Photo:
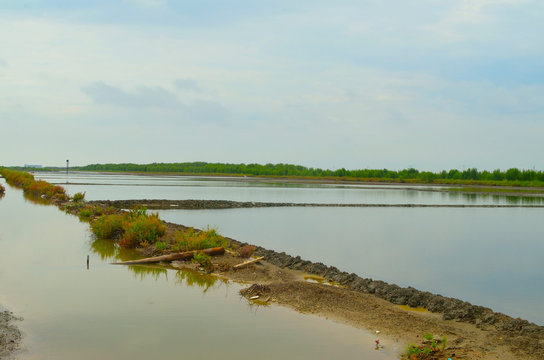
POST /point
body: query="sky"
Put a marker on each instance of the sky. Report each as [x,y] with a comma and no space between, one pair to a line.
[430,84]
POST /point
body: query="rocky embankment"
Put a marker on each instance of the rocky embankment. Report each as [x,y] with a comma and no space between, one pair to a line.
[226,204]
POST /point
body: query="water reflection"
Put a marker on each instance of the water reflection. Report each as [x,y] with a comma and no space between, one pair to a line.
[36,199]
[107,314]
[194,278]
[109,250]
[148,271]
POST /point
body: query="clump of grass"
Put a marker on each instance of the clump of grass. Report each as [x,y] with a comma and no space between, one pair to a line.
[204,260]
[85,214]
[246,251]
[414,352]
[140,228]
[136,228]
[159,245]
[43,189]
[78,197]
[2,190]
[192,240]
[108,226]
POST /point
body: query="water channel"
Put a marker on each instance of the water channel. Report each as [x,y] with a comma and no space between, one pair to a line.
[117,312]
[488,256]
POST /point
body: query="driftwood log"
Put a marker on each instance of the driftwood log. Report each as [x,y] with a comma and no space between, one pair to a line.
[249,262]
[172,257]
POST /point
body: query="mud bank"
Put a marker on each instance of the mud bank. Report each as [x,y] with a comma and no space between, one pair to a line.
[10,336]
[517,334]
[160,204]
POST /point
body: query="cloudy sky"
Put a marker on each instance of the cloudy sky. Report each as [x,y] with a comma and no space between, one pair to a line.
[431,84]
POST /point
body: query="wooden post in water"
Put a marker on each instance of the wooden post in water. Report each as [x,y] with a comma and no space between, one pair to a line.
[87,262]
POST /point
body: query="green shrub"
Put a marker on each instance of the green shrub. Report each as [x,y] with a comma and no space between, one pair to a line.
[132,229]
[159,245]
[78,197]
[192,240]
[108,226]
[139,228]
[85,214]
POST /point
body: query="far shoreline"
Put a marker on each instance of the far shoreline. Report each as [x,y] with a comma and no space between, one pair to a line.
[468,188]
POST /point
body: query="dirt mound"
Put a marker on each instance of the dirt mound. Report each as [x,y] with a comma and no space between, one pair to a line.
[10,336]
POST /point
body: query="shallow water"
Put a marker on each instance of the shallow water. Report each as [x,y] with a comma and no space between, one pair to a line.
[488,256]
[98,186]
[118,312]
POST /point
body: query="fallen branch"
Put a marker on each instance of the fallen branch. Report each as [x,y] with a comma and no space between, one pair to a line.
[249,262]
[171,257]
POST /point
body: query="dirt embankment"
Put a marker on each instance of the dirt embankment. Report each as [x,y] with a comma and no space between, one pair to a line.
[403,314]
[227,204]
[375,304]
[474,332]
[10,336]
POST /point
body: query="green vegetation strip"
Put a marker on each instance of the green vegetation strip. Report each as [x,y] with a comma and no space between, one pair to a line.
[136,228]
[39,190]
[471,176]
[495,190]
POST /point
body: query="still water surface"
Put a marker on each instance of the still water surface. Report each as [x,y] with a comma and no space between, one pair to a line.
[488,256]
[117,312]
[108,186]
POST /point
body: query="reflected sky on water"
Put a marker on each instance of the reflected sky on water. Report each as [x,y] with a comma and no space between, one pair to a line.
[140,312]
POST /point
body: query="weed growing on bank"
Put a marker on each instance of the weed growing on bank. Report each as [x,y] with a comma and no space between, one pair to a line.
[78,197]
[192,240]
[138,227]
[204,260]
[2,190]
[431,352]
[34,189]
[246,251]
[131,229]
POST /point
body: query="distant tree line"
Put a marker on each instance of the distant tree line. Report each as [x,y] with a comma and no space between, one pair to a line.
[281,170]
